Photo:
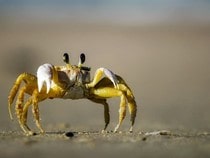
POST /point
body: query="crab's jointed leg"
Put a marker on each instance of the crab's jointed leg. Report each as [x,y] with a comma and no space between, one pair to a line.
[132,109]
[104,90]
[24,116]
[35,110]
[19,108]
[22,77]
[122,111]
[106,114]
[108,92]
[106,110]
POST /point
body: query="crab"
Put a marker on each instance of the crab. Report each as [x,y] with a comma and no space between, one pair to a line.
[69,82]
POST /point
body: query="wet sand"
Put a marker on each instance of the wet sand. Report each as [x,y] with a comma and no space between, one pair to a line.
[161,143]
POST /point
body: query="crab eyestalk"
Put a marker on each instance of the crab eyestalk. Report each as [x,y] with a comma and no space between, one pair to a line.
[66,60]
[81,61]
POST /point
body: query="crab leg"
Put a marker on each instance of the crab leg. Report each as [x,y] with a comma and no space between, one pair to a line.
[24,115]
[106,115]
[108,92]
[19,106]
[19,111]
[106,111]
[132,109]
[122,111]
[15,88]
[130,100]
[35,110]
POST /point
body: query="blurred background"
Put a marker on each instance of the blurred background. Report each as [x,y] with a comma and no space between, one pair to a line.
[161,48]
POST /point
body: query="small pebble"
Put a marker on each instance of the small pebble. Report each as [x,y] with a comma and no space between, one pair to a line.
[144,138]
[69,134]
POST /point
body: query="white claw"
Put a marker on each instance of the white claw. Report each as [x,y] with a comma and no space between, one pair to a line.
[48,83]
[44,76]
[111,76]
[40,83]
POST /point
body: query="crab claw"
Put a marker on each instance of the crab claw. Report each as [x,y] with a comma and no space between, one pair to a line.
[98,75]
[111,76]
[44,75]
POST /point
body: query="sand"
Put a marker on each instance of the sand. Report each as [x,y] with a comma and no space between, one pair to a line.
[162,143]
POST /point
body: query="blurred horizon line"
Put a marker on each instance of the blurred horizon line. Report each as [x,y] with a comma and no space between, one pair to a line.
[115,12]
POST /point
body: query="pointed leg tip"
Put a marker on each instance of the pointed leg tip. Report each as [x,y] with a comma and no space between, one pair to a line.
[11,117]
[42,131]
[131,130]
[115,130]
[30,133]
[87,86]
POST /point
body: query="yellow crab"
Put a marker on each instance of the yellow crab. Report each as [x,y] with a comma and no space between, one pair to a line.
[69,82]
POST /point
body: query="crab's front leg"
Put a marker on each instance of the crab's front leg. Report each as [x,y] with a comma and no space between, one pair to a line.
[98,75]
[35,110]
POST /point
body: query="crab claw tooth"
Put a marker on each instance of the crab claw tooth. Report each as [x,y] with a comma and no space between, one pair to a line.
[48,83]
[40,84]
[112,77]
[44,75]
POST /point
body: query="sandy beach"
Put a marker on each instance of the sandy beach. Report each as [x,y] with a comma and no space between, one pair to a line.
[93,144]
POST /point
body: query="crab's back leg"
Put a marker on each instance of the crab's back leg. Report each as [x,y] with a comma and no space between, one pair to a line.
[15,88]
[24,116]
[132,109]
[19,106]
[106,110]
[19,110]
[122,111]
[106,114]
[108,92]
[11,97]
[132,106]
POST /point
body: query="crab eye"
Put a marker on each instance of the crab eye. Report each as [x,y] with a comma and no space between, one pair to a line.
[82,58]
[66,58]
